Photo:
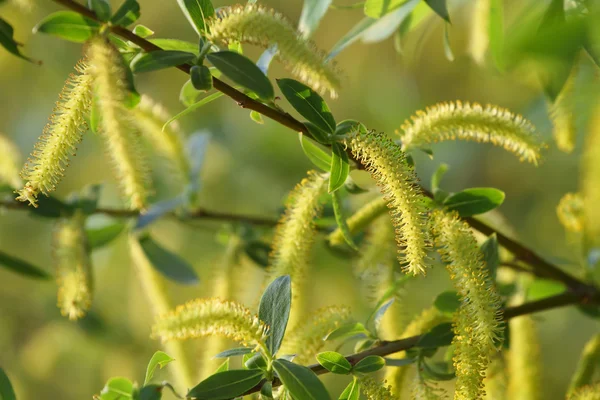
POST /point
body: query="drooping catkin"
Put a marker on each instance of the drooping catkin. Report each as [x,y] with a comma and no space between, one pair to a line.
[480,25]
[473,122]
[524,360]
[293,240]
[590,176]
[589,364]
[73,267]
[495,382]
[306,340]
[398,182]
[149,118]
[562,114]
[46,166]
[359,220]
[116,122]
[265,27]
[591,392]
[570,212]
[375,390]
[477,323]
[10,162]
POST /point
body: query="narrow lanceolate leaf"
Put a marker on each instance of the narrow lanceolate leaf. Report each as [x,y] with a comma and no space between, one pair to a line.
[312,12]
[440,7]
[226,385]
[101,236]
[22,267]
[474,201]
[6,390]
[334,362]
[197,12]
[127,14]
[387,164]
[369,364]
[168,263]
[352,391]
[360,219]
[340,167]
[315,154]
[378,8]
[308,103]
[237,351]
[243,71]
[300,381]
[258,25]
[7,40]
[68,25]
[341,220]
[473,122]
[101,8]
[194,106]
[274,310]
[160,59]
[159,359]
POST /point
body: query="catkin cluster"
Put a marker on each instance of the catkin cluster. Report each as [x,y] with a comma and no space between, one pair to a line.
[265,27]
[375,390]
[562,115]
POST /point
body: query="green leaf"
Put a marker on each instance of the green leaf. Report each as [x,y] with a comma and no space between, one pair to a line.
[167,263]
[369,364]
[68,25]
[238,351]
[447,46]
[300,381]
[312,13]
[223,367]
[274,310]
[98,237]
[150,392]
[243,71]
[101,8]
[197,12]
[399,362]
[143,31]
[348,126]
[256,361]
[22,267]
[258,251]
[160,59]
[440,7]
[543,288]
[340,167]
[377,316]
[437,371]
[378,8]
[308,103]
[385,27]
[340,219]
[7,40]
[6,389]
[194,107]
[489,248]
[437,176]
[439,336]
[347,330]
[314,153]
[201,78]
[188,93]
[226,384]
[117,389]
[266,390]
[317,133]
[474,201]
[176,45]
[352,391]
[159,359]
[447,302]
[256,117]
[352,36]
[127,14]
[334,362]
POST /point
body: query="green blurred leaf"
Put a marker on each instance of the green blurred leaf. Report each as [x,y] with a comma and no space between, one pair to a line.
[188,93]
[143,31]
[150,392]
[22,267]
[369,364]
[68,25]
[347,330]
[223,367]
[167,263]
[447,45]
[447,302]
[439,336]
[274,310]
[489,248]
[352,36]
[160,59]
[7,40]
[159,359]
[194,107]
[437,176]
[378,8]
[401,362]
[385,27]
[258,251]
[440,7]
[300,381]
[340,167]
[543,288]
[352,391]
[312,13]
[6,389]
[101,8]
[201,78]
[334,362]
[226,385]
[315,154]
[117,389]
[176,45]
[340,219]
[238,351]
[437,371]
[197,12]
[474,201]
[308,103]
[127,14]
[51,207]
[98,237]
[243,71]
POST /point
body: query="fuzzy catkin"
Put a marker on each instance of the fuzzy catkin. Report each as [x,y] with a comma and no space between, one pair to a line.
[562,114]
[590,176]
[73,267]
[570,212]
[591,392]
[115,122]
[10,161]
[524,360]
[589,364]
[398,182]
[46,166]
[480,25]
[473,122]
[265,27]
[375,390]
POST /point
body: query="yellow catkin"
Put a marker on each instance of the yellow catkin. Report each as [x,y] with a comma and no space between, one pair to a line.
[206,317]
[375,390]
[562,114]
[524,360]
[10,161]
[398,182]
[46,166]
[570,212]
[589,364]
[115,121]
[480,25]
[73,267]
[294,237]
[306,340]
[590,176]
[477,323]
[591,392]
[359,220]
[265,27]
[473,122]
[149,118]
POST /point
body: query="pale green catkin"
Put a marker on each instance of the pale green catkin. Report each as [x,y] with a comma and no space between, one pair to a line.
[524,360]
[480,25]
[589,364]
[116,122]
[495,382]
[473,122]
[359,220]
[10,161]
[562,115]
[590,176]
[294,238]
[398,182]
[375,390]
[570,212]
[256,24]
[46,166]
[477,323]
[73,267]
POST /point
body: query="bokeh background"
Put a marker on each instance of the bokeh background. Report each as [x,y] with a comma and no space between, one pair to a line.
[249,169]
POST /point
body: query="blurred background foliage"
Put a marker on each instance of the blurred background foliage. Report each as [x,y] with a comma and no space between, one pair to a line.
[249,170]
